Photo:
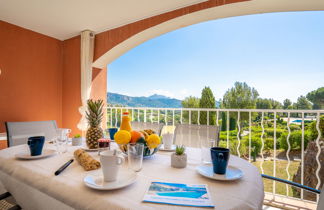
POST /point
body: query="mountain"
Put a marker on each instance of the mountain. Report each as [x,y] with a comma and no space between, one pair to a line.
[150,101]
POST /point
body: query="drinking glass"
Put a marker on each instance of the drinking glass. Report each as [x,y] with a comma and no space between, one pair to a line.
[205,150]
[61,140]
[135,156]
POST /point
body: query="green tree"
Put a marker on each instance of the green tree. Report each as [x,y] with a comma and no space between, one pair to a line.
[207,100]
[317,98]
[303,103]
[263,103]
[191,102]
[241,96]
[287,104]
[275,104]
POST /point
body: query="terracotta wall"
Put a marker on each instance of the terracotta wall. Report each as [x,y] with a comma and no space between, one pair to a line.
[40,77]
[71,95]
[104,42]
[31,76]
[109,39]
[72,84]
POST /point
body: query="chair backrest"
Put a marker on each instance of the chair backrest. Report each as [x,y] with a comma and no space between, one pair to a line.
[19,132]
[320,204]
[157,127]
[195,135]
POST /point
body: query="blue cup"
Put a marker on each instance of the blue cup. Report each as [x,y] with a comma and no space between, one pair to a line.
[220,157]
[36,144]
[112,132]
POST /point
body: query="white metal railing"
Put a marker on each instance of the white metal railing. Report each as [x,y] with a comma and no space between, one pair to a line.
[173,116]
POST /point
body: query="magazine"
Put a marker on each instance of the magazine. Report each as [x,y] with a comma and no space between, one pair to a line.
[179,194]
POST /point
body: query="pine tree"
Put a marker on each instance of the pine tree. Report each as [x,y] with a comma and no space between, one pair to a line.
[207,100]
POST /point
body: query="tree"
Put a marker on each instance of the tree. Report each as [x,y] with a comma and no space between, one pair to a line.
[317,98]
[303,103]
[191,102]
[275,104]
[287,104]
[207,100]
[263,103]
[241,96]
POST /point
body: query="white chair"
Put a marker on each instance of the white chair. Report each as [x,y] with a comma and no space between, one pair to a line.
[195,135]
[157,127]
[19,132]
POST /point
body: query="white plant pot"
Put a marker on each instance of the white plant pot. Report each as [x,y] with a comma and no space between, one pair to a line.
[179,161]
[77,141]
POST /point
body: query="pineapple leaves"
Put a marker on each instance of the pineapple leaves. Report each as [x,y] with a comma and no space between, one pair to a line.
[94,114]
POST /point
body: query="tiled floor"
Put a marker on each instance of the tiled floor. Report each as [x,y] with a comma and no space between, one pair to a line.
[282,202]
[269,208]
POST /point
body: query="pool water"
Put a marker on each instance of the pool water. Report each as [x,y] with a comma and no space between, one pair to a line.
[188,194]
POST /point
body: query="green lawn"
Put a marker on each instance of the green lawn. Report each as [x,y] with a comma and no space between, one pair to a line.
[280,173]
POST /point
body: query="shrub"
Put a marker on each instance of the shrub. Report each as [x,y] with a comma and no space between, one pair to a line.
[231,133]
[294,139]
[270,132]
[294,127]
[255,143]
[233,147]
[268,144]
[256,129]
[312,128]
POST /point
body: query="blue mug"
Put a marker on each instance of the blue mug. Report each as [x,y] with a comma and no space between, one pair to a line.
[36,144]
[220,157]
[112,132]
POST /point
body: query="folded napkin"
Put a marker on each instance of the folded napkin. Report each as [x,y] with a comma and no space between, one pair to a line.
[85,160]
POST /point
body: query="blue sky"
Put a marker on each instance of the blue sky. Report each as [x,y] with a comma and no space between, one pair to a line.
[279,54]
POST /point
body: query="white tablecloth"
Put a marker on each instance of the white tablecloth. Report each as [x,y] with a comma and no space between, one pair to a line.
[34,185]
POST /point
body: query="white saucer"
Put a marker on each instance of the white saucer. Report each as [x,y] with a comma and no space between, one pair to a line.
[89,150]
[27,156]
[232,173]
[173,148]
[125,177]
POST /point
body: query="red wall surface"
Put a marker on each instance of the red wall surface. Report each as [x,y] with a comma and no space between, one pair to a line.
[31,76]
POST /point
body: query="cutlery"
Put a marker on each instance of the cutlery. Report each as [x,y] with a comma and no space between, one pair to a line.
[63,167]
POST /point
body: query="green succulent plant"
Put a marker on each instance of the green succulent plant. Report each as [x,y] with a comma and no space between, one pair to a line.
[77,136]
[180,150]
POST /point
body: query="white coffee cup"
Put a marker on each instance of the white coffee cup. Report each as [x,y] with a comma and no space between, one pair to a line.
[110,164]
[167,140]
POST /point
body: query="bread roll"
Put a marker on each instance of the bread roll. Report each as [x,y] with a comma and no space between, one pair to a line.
[85,160]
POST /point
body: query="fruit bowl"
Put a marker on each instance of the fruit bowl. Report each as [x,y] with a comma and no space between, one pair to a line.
[148,138]
[147,151]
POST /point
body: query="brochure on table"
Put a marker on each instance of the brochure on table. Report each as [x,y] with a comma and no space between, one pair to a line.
[179,194]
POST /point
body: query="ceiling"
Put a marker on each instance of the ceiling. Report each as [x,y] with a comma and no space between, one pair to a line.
[63,19]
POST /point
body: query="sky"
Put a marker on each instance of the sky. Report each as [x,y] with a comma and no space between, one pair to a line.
[279,54]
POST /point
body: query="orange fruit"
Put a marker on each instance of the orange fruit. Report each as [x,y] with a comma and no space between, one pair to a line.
[136,135]
[122,137]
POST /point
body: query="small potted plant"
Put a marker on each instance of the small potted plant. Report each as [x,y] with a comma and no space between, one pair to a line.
[179,158]
[77,140]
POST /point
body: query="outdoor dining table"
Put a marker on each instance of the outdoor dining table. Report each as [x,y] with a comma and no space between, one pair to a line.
[34,185]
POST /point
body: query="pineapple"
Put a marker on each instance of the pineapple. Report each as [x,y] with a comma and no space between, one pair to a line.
[94,116]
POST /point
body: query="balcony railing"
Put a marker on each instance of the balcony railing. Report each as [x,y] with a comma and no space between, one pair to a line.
[270,139]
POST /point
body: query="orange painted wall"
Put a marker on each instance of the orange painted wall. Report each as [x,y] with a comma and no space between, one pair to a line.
[99,88]
[31,76]
[109,39]
[104,42]
[40,77]
[71,84]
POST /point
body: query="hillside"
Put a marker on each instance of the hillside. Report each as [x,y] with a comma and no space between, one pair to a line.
[151,101]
